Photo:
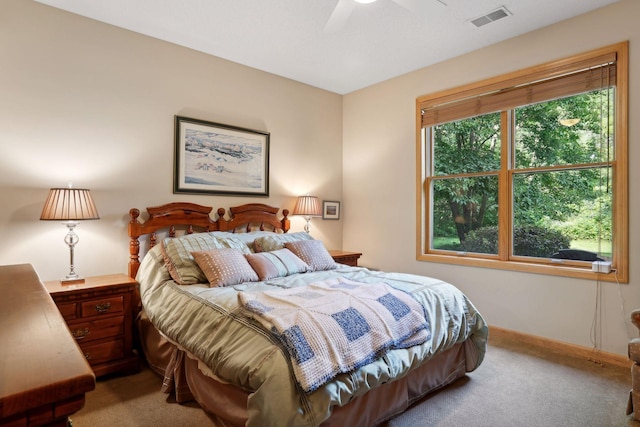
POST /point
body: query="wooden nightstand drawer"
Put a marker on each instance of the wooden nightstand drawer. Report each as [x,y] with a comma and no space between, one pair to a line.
[97,329]
[102,306]
[68,311]
[99,313]
[104,352]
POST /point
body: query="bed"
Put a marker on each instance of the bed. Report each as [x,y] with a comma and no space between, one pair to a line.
[210,327]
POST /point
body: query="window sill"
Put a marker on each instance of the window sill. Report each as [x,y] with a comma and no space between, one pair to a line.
[527,267]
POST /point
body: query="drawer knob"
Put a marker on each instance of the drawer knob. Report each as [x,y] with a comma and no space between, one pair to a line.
[103,308]
[78,334]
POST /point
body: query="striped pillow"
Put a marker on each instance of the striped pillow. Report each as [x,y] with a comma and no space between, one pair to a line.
[275,241]
[179,261]
[278,263]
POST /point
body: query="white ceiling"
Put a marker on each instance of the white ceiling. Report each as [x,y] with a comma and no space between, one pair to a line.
[378,41]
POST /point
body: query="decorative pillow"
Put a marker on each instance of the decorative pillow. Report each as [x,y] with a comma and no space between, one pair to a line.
[179,261]
[277,241]
[278,263]
[233,242]
[225,267]
[246,237]
[313,253]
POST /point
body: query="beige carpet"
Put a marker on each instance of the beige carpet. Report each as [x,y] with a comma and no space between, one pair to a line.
[515,386]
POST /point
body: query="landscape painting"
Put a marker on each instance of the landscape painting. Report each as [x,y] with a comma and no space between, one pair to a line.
[220,159]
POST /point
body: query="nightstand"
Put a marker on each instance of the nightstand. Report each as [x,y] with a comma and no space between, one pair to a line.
[345,257]
[99,314]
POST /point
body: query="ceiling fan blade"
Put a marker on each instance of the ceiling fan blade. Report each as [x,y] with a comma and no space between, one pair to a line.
[339,15]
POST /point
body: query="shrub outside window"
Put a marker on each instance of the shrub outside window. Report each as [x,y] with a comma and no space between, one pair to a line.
[528,171]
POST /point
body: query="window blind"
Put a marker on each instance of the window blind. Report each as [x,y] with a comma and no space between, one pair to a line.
[589,75]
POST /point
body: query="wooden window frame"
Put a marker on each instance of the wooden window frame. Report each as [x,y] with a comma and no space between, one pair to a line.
[511,82]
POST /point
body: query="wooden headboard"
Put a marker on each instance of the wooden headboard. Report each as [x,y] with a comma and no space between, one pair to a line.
[195,217]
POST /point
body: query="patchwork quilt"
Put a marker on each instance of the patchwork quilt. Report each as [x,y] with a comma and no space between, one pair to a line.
[337,325]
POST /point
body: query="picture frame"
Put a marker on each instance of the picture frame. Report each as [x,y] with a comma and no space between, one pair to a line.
[214,158]
[330,209]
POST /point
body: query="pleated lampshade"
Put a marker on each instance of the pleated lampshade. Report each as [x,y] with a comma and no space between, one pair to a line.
[69,204]
[307,206]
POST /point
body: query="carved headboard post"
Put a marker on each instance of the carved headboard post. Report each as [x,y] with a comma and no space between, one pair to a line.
[221,221]
[134,242]
[286,224]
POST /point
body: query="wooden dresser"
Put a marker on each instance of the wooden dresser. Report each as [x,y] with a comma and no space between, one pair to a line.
[99,313]
[43,374]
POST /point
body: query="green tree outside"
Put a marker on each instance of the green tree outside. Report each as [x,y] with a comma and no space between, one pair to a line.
[574,201]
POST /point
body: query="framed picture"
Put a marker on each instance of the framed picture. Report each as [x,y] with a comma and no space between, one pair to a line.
[330,210]
[214,158]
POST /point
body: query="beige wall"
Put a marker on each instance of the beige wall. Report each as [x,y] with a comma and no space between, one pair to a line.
[379,184]
[89,103]
[93,104]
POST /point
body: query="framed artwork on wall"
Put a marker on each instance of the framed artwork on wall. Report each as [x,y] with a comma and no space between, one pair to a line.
[330,209]
[213,158]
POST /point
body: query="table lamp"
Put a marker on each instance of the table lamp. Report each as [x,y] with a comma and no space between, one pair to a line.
[308,206]
[69,205]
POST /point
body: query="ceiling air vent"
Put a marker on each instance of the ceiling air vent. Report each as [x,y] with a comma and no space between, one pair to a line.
[490,17]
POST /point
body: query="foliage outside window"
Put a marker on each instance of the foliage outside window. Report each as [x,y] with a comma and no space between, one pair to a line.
[529,171]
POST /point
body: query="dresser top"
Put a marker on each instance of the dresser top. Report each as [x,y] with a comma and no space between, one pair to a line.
[40,362]
[90,283]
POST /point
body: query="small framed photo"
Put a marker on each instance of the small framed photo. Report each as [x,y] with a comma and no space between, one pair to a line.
[214,158]
[330,210]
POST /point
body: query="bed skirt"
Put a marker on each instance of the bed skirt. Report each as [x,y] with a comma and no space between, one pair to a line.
[184,378]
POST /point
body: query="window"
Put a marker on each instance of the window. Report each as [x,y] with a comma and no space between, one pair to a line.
[528,171]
